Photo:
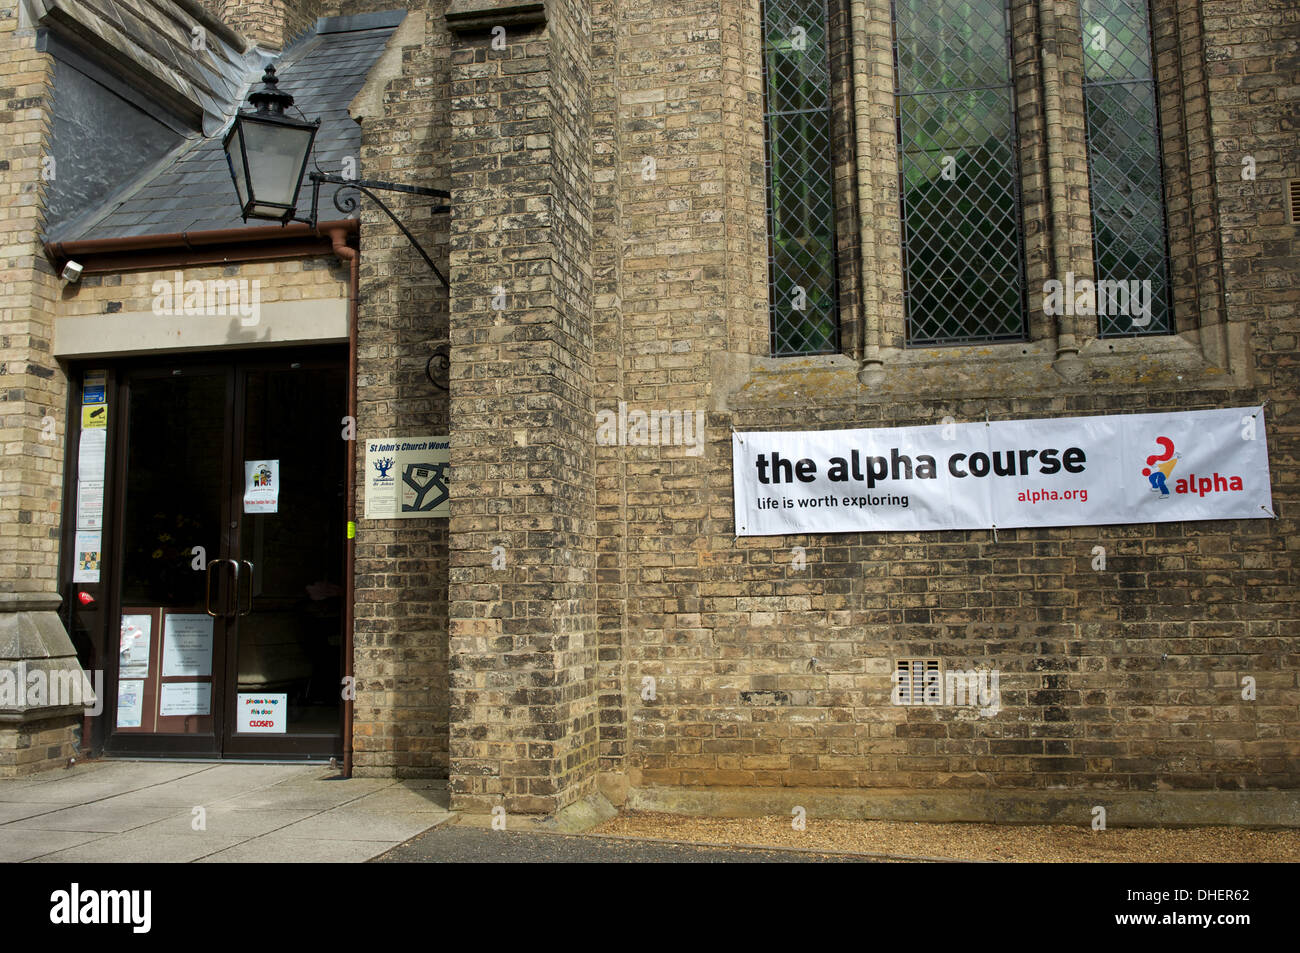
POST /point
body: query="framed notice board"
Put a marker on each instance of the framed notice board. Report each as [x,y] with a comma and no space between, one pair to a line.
[165,672]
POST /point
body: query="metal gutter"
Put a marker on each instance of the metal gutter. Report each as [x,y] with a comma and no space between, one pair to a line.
[214,246]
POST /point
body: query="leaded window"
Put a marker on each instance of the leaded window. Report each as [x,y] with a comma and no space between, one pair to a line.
[1124,170]
[958,173]
[800,198]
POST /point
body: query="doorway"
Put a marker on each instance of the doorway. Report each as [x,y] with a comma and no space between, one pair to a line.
[225,557]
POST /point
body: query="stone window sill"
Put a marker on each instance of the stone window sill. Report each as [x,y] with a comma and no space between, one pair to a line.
[1018,369]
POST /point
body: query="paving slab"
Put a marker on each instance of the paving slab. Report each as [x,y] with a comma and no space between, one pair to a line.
[314,796]
[71,786]
[132,849]
[143,811]
[355,823]
[102,817]
[226,822]
[17,810]
[278,849]
[210,787]
[17,846]
[399,798]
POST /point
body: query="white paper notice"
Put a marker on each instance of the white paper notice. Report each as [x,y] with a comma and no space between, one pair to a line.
[262,713]
[90,504]
[130,703]
[187,645]
[133,649]
[406,477]
[184,698]
[88,557]
[90,455]
[261,486]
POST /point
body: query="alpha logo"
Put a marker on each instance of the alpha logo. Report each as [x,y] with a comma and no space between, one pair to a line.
[1161,465]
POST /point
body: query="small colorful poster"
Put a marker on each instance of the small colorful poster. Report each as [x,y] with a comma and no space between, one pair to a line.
[265,714]
[87,557]
[261,486]
[92,387]
[94,416]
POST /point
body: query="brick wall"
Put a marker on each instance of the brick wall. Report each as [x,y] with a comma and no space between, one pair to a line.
[621,563]
[305,280]
[271,24]
[522,592]
[32,387]
[401,711]
[1128,678]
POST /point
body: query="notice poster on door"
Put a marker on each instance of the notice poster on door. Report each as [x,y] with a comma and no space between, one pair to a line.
[261,486]
[93,387]
[407,478]
[90,454]
[184,698]
[265,714]
[130,703]
[187,646]
[87,557]
[90,505]
[94,417]
[133,647]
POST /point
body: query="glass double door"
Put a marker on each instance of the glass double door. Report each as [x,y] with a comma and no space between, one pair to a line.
[230,559]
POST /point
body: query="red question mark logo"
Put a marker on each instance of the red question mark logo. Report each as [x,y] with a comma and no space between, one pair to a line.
[1160,457]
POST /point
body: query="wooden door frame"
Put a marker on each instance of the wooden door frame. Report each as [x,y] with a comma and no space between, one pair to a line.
[234,364]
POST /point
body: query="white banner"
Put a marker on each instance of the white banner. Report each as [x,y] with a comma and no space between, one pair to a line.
[1077,471]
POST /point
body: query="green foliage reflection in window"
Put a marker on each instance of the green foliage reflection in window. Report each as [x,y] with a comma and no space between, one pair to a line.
[958,172]
[1124,168]
[800,200]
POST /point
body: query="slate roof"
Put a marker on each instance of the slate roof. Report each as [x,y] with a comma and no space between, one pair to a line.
[154,40]
[324,70]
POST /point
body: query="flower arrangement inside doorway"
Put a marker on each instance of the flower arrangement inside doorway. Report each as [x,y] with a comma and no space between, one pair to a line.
[161,563]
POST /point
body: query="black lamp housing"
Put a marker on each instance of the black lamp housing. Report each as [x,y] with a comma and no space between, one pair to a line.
[267,153]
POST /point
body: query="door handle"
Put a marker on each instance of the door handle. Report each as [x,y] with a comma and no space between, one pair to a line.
[208,598]
[250,588]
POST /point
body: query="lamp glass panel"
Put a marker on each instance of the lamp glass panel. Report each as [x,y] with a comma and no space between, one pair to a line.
[276,156]
[235,157]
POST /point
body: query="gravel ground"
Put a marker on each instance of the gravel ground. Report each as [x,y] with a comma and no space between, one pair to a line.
[476,845]
[971,841]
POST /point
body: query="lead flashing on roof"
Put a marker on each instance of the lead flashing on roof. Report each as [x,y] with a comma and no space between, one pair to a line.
[386,19]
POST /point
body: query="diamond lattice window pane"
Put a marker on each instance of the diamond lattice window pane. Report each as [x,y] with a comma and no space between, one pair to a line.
[1125,180]
[963,271]
[801,202]
[1116,40]
[951,44]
